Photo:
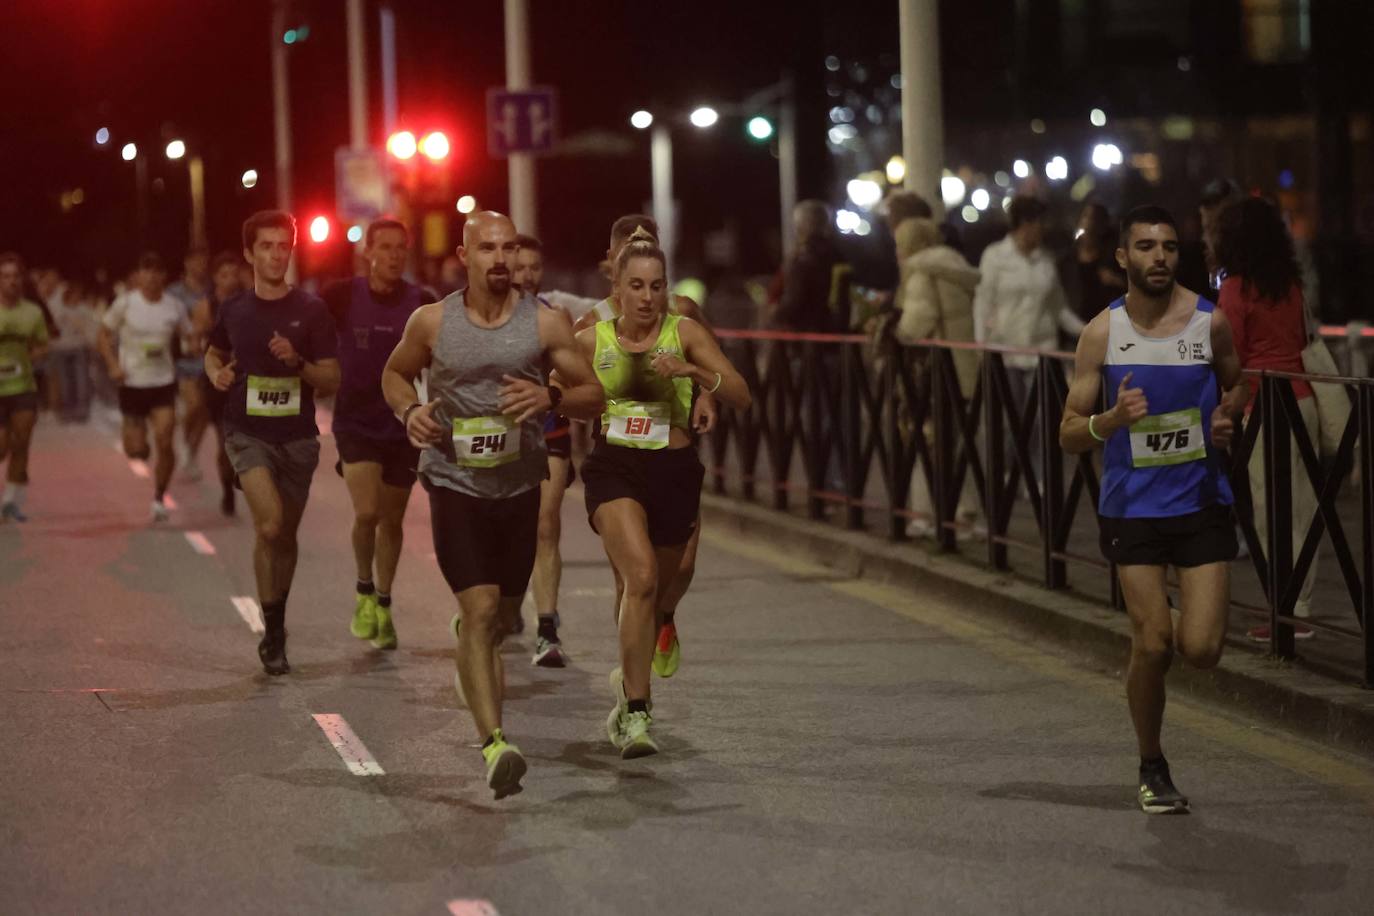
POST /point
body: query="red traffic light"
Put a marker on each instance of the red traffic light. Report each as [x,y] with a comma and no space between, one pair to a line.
[435,145]
[319,229]
[402,144]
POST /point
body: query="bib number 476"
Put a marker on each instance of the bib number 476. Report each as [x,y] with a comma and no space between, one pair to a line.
[1163,442]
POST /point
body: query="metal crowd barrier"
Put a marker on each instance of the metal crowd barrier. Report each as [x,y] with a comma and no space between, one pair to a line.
[849,410]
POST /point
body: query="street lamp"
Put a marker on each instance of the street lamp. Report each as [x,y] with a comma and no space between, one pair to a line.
[466,204]
[176,149]
[760,128]
[102,136]
[129,151]
[250,178]
[641,119]
[704,117]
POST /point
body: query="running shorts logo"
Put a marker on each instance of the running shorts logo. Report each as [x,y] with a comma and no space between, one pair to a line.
[485,442]
[638,424]
[269,396]
[1168,438]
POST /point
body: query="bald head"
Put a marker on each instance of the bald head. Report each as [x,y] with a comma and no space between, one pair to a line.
[489,250]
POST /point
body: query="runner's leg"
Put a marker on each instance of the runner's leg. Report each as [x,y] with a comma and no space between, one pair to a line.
[1152,651]
[390,533]
[265,505]
[163,422]
[548,561]
[20,438]
[364,482]
[135,434]
[1205,593]
[477,655]
[624,529]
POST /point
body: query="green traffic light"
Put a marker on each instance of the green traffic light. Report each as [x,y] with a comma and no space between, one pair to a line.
[760,128]
[289,37]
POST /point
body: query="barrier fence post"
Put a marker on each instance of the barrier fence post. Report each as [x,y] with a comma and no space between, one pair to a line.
[1052,462]
[1364,404]
[944,494]
[850,431]
[1278,494]
[814,388]
[996,445]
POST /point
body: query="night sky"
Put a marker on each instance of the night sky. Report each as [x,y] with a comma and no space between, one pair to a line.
[153,69]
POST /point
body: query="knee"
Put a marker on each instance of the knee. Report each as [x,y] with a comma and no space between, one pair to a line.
[163,440]
[1201,653]
[1152,647]
[270,530]
[640,582]
[366,517]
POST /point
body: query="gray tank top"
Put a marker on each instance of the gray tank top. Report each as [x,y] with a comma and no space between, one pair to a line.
[477,456]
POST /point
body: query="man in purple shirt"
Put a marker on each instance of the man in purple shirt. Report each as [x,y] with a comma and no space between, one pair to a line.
[376,460]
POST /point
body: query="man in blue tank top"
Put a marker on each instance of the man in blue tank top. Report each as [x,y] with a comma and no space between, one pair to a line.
[482,435]
[1174,388]
[375,460]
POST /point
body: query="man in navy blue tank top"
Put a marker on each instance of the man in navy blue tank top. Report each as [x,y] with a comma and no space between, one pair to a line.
[375,460]
[1174,391]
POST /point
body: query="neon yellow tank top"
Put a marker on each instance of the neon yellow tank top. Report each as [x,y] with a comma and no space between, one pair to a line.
[641,405]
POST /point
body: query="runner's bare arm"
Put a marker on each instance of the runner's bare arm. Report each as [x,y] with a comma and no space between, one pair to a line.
[322,375]
[403,367]
[1085,390]
[583,397]
[706,365]
[1235,392]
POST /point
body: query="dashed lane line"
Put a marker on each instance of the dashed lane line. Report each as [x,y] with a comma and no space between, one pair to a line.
[349,746]
[250,612]
[200,543]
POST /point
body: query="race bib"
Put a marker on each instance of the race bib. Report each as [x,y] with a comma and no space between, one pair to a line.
[1168,438]
[154,354]
[485,442]
[10,371]
[273,397]
[638,424]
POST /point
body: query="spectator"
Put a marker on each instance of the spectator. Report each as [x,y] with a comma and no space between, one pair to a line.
[1197,260]
[935,299]
[1088,271]
[1019,302]
[810,300]
[1261,296]
[904,205]
[70,352]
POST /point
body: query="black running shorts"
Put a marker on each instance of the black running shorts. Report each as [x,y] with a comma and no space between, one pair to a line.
[139,402]
[1195,539]
[484,541]
[666,482]
[398,458]
[12,404]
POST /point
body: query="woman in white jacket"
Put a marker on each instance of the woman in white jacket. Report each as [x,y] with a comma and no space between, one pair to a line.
[935,300]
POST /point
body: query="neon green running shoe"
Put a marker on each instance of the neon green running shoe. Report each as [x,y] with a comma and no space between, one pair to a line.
[386,631]
[667,651]
[505,766]
[364,624]
[635,738]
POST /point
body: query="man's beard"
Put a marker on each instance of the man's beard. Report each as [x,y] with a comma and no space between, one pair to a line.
[498,284]
[1141,280]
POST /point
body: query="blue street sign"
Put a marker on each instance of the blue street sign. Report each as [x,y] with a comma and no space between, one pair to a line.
[520,121]
[361,188]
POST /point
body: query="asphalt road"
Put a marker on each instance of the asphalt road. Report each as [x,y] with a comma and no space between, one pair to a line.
[831,746]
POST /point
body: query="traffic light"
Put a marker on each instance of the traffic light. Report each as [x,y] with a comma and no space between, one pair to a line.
[435,146]
[760,128]
[319,229]
[297,35]
[401,145]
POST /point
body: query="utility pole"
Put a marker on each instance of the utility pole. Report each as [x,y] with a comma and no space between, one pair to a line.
[281,110]
[661,171]
[388,36]
[923,125]
[521,165]
[357,76]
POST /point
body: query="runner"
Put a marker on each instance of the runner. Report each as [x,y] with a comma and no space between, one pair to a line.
[548,561]
[224,285]
[1161,351]
[23,339]
[668,649]
[483,458]
[193,287]
[643,478]
[271,351]
[144,323]
[375,460]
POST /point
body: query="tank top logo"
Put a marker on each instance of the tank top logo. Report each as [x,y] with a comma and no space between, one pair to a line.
[360,337]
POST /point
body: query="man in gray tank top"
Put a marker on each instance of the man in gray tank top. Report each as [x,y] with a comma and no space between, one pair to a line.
[483,457]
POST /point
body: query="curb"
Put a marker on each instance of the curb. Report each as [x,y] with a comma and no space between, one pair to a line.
[1283,693]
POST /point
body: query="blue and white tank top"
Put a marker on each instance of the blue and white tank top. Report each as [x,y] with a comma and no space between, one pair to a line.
[1164,464]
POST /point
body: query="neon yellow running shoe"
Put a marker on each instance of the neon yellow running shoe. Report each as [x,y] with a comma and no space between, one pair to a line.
[667,651]
[364,624]
[505,766]
[386,632]
[635,738]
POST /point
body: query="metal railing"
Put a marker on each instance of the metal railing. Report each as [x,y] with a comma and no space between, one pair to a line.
[857,416]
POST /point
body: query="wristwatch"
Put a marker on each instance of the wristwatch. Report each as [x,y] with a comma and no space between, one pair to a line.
[555,397]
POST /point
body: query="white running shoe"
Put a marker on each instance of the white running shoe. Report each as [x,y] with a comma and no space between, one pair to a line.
[160,513]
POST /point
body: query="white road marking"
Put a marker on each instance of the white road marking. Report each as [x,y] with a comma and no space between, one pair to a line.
[140,468]
[200,543]
[250,612]
[472,908]
[354,753]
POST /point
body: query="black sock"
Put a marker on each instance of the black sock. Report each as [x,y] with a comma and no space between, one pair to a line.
[668,618]
[274,615]
[491,739]
[548,626]
[639,706]
[365,587]
[1152,764]
[384,599]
